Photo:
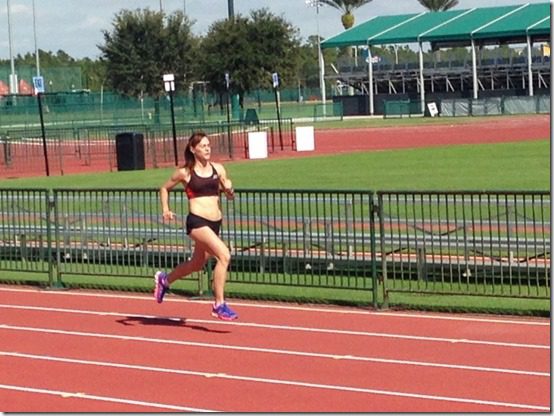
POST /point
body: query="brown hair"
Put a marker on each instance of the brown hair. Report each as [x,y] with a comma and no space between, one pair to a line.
[194,139]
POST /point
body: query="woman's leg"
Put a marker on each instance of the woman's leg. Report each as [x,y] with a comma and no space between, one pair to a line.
[217,248]
[196,263]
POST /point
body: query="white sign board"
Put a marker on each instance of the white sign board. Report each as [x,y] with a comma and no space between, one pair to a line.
[38,84]
[275,79]
[257,145]
[169,82]
[433,110]
[305,139]
[374,59]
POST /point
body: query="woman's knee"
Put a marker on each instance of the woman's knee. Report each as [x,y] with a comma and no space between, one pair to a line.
[224,258]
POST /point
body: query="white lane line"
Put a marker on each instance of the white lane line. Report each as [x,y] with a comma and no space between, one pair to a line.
[277,381]
[294,328]
[275,351]
[315,309]
[80,395]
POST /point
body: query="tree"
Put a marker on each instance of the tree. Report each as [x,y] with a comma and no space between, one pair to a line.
[250,49]
[143,46]
[94,74]
[346,7]
[438,5]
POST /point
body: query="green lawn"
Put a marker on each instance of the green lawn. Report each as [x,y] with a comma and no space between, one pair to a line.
[505,166]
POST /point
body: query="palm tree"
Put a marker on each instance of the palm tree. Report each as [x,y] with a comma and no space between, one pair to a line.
[438,5]
[346,6]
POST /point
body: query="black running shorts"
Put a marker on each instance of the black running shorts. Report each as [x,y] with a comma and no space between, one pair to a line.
[195,221]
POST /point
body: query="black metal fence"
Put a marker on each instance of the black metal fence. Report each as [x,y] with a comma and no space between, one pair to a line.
[452,243]
[495,243]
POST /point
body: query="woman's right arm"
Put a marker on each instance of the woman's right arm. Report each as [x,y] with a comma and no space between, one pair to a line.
[177,177]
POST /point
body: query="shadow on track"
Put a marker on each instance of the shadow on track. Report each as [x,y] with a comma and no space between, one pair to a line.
[166,321]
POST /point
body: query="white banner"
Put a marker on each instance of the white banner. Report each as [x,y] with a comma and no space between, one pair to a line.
[305,138]
[257,145]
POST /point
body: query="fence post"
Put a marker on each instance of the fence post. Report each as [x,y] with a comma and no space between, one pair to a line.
[374,210]
[421,263]
[286,266]
[49,212]
[67,238]
[84,238]
[23,247]
[263,254]
[53,219]
[328,235]
[382,249]
[306,236]
[349,219]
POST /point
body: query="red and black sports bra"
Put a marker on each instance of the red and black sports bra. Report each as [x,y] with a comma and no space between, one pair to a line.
[203,186]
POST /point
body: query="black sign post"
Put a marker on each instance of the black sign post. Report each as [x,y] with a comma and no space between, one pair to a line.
[38,85]
[275,80]
[169,86]
[44,147]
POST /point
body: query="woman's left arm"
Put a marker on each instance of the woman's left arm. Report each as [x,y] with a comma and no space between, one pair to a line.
[226,184]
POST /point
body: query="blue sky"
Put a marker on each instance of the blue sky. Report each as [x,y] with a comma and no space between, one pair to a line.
[75,26]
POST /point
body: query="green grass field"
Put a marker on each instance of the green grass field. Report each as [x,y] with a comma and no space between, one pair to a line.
[506,166]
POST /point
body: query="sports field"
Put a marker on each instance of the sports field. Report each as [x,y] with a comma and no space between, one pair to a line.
[478,155]
[498,153]
[98,351]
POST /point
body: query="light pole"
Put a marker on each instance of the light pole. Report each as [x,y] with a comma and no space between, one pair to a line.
[317,4]
[230,8]
[13,76]
[169,86]
[35,36]
[227,96]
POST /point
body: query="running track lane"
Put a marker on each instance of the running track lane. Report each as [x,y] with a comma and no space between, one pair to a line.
[478,131]
[261,365]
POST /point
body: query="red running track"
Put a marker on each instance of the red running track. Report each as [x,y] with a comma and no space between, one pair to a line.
[475,131]
[84,351]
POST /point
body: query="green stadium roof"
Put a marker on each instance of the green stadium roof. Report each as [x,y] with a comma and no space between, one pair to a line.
[487,24]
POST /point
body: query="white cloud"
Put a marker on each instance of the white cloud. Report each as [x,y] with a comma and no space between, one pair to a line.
[95,22]
[17,9]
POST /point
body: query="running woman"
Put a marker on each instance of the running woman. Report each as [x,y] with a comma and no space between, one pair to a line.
[203,181]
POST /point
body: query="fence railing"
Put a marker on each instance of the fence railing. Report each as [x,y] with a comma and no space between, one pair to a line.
[451,243]
[465,242]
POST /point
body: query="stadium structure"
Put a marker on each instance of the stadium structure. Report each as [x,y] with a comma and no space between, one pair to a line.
[371,84]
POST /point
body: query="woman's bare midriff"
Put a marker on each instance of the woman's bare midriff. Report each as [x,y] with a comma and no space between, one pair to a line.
[206,207]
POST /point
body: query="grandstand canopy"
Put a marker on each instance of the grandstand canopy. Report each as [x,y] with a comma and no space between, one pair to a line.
[503,24]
